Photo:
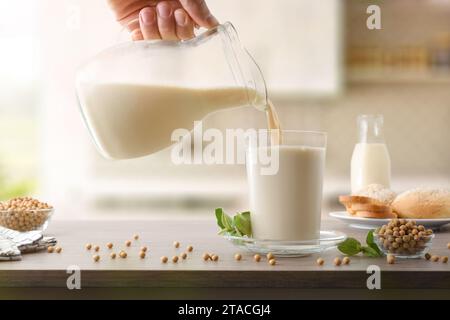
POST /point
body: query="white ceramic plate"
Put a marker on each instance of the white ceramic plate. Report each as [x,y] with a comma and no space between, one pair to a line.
[328,240]
[370,223]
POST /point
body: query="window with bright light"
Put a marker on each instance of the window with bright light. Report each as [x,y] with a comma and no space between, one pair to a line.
[18,98]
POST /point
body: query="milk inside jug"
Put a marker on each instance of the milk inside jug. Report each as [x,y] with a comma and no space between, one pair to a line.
[133,96]
[370,162]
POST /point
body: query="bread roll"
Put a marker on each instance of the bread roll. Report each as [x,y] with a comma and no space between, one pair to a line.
[423,203]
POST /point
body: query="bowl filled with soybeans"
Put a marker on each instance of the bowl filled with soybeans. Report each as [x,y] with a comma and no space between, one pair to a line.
[25,214]
[403,238]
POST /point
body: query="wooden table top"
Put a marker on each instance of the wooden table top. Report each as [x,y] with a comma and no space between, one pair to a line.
[44,269]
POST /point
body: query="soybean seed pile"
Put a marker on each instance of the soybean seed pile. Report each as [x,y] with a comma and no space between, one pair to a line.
[401,236]
[24,213]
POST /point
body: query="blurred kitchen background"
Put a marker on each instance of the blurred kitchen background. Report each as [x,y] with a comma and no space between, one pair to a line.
[323,68]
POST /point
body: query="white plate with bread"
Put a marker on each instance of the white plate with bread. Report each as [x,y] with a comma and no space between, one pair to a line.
[375,205]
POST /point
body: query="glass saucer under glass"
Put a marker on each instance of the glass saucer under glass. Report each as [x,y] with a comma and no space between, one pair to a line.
[287,248]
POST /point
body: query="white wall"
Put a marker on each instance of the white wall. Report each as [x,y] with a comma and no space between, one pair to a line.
[296,42]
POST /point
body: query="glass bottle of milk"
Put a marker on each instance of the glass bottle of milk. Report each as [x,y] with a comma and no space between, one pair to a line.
[370,160]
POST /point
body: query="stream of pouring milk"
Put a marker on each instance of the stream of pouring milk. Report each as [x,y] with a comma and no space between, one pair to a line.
[273,125]
[133,120]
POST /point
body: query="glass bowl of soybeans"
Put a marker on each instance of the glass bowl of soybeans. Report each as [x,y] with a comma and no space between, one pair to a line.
[404,239]
[25,214]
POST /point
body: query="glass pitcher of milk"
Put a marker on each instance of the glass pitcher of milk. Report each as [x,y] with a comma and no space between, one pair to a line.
[134,95]
[370,160]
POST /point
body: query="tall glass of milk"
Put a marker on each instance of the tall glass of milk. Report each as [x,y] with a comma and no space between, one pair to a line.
[370,160]
[285,185]
[134,95]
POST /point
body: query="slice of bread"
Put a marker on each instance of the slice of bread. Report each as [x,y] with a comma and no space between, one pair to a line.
[358,199]
[372,207]
[366,207]
[423,203]
[348,202]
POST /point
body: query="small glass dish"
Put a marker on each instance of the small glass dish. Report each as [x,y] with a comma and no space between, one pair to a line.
[420,248]
[286,248]
[26,220]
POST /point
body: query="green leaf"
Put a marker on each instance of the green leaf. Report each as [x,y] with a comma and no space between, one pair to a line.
[371,243]
[375,248]
[243,224]
[369,238]
[350,247]
[219,214]
[245,216]
[239,225]
[227,222]
[237,232]
[237,222]
[370,252]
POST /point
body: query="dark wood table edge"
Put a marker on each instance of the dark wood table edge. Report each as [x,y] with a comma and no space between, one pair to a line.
[322,279]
